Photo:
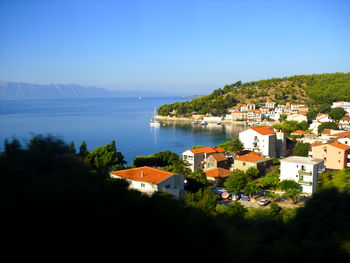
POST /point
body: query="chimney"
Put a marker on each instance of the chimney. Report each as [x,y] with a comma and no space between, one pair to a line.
[142,174]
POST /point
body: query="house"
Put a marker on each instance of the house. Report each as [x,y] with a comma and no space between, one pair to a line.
[342,104]
[300,133]
[320,118]
[336,155]
[254,115]
[343,137]
[270,104]
[296,117]
[265,140]
[251,160]
[149,180]
[197,157]
[344,123]
[303,109]
[247,107]
[216,160]
[302,170]
[217,174]
[237,115]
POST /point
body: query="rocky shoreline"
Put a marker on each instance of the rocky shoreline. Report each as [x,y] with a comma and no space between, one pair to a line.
[191,119]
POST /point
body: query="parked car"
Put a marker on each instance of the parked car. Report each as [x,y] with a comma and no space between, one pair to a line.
[264,202]
[245,198]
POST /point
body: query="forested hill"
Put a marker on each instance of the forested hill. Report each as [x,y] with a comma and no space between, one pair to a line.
[307,89]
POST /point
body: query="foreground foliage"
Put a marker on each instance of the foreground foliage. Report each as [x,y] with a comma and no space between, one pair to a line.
[55,206]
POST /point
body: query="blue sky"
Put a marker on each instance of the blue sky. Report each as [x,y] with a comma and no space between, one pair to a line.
[187,46]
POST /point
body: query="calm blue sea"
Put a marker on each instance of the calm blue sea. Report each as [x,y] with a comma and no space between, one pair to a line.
[99,121]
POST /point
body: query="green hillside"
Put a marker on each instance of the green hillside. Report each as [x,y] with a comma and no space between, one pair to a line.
[307,89]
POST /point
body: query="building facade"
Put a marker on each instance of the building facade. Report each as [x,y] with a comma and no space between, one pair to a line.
[264,140]
[149,180]
[302,170]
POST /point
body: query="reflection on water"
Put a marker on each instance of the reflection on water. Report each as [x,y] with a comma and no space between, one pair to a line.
[228,130]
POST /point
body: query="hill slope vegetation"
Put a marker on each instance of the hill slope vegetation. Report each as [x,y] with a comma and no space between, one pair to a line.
[307,89]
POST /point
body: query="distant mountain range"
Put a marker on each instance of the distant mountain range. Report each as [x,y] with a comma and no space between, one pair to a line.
[21,90]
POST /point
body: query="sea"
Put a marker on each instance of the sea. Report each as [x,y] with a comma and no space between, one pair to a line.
[98,121]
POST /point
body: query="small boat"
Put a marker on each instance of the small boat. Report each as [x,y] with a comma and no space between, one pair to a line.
[218,123]
[195,122]
[204,123]
[153,122]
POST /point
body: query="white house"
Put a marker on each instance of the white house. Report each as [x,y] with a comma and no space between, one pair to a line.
[344,123]
[297,117]
[264,140]
[149,180]
[342,104]
[212,119]
[196,158]
[302,170]
[270,104]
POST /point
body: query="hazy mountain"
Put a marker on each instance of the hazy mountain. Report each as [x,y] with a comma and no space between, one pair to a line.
[20,90]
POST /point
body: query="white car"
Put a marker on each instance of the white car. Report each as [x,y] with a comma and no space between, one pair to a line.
[264,202]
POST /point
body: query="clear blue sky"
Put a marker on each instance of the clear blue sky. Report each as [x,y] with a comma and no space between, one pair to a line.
[190,46]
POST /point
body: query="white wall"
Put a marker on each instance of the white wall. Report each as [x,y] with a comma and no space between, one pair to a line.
[290,171]
[265,143]
[174,185]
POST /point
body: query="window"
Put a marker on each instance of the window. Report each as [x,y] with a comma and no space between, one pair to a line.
[338,161]
[303,168]
[143,185]
[167,186]
[243,163]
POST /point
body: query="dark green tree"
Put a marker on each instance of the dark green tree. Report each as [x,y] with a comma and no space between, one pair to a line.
[237,181]
[301,149]
[337,113]
[106,158]
[235,146]
[72,148]
[83,151]
[327,125]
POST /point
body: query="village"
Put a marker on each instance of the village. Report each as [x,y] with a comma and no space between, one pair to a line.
[265,151]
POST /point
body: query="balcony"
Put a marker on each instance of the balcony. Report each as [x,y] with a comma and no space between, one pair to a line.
[301,172]
[304,182]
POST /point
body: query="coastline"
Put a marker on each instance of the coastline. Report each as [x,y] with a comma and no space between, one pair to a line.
[191,119]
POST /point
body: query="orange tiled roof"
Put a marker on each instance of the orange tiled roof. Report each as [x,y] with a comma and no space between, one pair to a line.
[144,174]
[219,157]
[208,150]
[326,131]
[346,118]
[263,130]
[342,134]
[299,132]
[340,145]
[218,172]
[250,157]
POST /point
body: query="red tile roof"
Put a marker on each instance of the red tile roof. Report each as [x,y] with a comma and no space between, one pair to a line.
[298,132]
[144,174]
[326,131]
[346,118]
[263,130]
[207,150]
[218,173]
[342,134]
[219,157]
[340,145]
[250,157]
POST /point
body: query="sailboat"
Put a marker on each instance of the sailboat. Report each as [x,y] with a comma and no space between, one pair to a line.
[153,122]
